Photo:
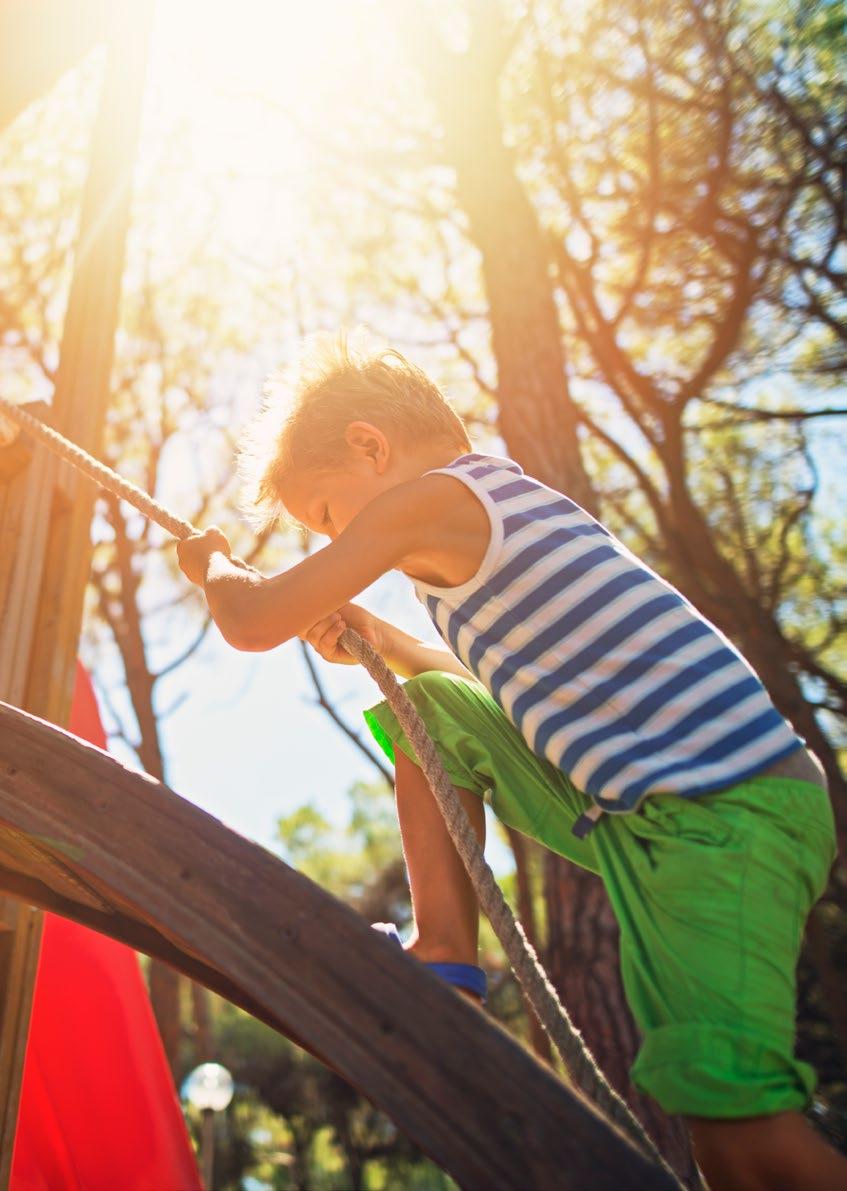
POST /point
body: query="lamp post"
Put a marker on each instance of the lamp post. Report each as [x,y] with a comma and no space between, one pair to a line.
[209,1087]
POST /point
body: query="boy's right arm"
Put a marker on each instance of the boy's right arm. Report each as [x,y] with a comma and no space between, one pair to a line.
[406,655]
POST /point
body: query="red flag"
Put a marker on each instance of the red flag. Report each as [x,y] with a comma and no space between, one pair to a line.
[98,1106]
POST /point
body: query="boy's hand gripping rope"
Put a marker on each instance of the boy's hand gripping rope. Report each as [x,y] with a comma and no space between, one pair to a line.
[577,1058]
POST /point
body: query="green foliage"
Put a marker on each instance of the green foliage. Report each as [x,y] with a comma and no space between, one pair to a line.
[360,862]
[371,835]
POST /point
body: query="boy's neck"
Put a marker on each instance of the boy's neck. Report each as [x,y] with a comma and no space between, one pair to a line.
[431,458]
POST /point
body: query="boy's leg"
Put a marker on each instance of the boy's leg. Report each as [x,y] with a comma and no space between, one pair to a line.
[484,753]
[712,895]
[444,904]
[762,1153]
[487,760]
[711,903]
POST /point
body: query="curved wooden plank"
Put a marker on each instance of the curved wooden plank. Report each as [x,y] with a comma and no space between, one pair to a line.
[110,847]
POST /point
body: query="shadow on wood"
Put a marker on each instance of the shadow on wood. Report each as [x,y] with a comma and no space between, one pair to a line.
[88,838]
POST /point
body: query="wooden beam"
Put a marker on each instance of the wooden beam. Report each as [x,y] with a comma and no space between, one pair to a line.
[117,850]
[45,509]
[20,942]
[85,364]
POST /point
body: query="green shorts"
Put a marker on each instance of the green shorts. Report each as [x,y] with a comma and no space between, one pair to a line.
[711,895]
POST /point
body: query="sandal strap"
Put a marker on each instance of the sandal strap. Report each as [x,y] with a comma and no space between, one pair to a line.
[467,976]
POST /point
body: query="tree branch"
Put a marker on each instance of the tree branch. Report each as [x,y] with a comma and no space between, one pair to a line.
[323,701]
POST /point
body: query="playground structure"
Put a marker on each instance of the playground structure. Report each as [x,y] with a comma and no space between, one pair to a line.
[115,850]
[93,841]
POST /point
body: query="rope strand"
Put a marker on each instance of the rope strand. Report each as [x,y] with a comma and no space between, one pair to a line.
[575,1055]
[97,471]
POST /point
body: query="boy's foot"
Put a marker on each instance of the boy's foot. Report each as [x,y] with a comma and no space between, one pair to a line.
[468,978]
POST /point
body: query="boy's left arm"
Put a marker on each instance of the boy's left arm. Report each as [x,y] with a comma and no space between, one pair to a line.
[255,614]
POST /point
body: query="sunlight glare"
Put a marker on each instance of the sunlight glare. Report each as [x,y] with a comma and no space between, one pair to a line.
[244,83]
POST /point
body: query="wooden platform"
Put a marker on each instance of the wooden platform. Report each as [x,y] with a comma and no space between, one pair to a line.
[88,838]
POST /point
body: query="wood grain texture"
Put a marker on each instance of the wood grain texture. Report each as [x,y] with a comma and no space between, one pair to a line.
[114,849]
[20,942]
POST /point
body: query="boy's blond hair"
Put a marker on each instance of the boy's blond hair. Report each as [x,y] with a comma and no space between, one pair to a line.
[307,410]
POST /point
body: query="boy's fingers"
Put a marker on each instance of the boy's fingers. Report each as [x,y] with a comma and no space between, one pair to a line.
[329,641]
[216,539]
[316,632]
[324,637]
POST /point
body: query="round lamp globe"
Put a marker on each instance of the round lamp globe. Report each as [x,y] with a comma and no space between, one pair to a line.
[209,1086]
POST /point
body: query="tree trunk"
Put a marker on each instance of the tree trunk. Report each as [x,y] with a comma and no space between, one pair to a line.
[301,1145]
[164,996]
[204,1045]
[536,415]
[521,846]
[822,953]
[353,1157]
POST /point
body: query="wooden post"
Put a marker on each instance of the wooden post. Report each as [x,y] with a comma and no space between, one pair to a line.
[45,509]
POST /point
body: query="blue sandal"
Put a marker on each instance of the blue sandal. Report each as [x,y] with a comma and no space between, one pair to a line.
[466,976]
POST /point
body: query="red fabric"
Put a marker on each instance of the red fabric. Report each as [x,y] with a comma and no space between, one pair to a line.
[98,1105]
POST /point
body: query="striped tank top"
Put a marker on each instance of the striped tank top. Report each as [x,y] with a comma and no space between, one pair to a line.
[602,666]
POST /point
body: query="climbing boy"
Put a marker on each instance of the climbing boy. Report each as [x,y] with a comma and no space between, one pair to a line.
[595,709]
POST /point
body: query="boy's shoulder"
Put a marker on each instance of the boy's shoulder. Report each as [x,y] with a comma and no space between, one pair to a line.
[478,465]
[433,496]
[437,523]
[451,503]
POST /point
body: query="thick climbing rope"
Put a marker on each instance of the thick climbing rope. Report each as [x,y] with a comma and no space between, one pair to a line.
[97,471]
[548,1008]
[576,1057]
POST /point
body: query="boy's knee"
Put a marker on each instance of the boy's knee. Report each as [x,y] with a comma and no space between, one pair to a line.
[729,1152]
[765,1152]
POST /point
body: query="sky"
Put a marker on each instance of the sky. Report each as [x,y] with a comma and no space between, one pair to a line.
[249,744]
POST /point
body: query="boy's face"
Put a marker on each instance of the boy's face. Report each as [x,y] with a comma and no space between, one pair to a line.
[326,501]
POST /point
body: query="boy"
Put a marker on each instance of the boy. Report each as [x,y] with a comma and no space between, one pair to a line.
[569,659]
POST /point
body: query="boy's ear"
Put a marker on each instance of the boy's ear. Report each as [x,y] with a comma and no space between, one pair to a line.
[369,442]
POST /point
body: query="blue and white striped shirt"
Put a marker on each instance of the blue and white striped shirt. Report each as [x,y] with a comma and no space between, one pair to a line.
[602,666]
